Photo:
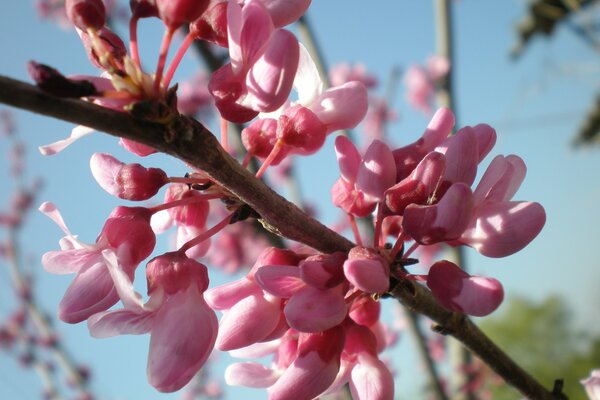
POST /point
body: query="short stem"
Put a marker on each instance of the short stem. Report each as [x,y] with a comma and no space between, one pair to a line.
[206,234]
[246,160]
[398,245]
[162,57]
[412,248]
[269,159]
[133,45]
[225,134]
[184,202]
[355,230]
[187,42]
[378,224]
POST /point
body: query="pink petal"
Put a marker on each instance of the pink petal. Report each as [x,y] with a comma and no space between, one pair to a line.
[139,149]
[182,337]
[50,210]
[502,229]
[105,169]
[284,12]
[120,322]
[247,322]
[234,32]
[370,275]
[486,139]
[342,107]
[370,379]
[91,291]
[462,156]
[348,158]
[69,261]
[257,28]
[444,221]
[437,66]
[256,350]
[250,374]
[438,129]
[315,310]
[305,379]
[307,81]
[77,133]
[269,81]
[279,280]
[161,221]
[501,180]
[377,172]
[229,294]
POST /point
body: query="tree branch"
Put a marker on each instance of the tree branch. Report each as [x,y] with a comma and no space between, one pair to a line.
[191,142]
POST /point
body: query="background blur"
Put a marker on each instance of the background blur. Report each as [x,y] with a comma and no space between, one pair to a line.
[536,103]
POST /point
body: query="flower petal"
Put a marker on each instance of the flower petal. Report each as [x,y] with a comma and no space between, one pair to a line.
[77,133]
[250,374]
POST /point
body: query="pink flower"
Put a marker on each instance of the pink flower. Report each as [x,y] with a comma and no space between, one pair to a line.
[126,181]
[126,234]
[263,64]
[367,271]
[343,72]
[458,291]
[182,327]
[363,180]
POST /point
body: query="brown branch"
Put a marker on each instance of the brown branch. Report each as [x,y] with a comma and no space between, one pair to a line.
[195,145]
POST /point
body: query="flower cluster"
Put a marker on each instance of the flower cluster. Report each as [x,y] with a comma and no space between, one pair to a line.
[318,314]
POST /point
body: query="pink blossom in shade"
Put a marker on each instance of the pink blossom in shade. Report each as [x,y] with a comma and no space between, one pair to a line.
[419,187]
[53,10]
[212,24]
[592,385]
[182,327]
[363,180]
[458,291]
[444,221]
[314,368]
[126,181]
[249,314]
[344,72]
[438,129]
[500,227]
[126,233]
[367,270]
[378,117]
[323,271]
[189,220]
[421,82]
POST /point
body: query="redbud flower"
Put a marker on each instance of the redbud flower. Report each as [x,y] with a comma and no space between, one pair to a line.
[126,234]
[458,291]
[175,13]
[182,327]
[86,14]
[126,181]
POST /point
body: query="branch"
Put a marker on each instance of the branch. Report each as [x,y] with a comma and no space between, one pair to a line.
[191,142]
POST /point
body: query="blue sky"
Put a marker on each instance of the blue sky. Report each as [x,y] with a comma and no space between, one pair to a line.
[536,104]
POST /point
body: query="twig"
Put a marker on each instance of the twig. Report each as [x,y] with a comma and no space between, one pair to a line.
[191,142]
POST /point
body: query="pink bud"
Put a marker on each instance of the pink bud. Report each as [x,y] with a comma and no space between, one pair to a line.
[260,136]
[174,272]
[136,148]
[143,8]
[175,13]
[86,14]
[300,129]
[193,214]
[130,227]
[366,270]
[212,24]
[323,271]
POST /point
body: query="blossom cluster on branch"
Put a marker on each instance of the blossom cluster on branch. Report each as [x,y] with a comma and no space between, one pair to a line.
[317,314]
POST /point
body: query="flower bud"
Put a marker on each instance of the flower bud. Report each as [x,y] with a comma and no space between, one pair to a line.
[175,13]
[86,14]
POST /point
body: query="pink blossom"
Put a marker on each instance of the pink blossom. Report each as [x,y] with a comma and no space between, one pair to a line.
[126,234]
[126,181]
[363,180]
[343,72]
[458,291]
[182,327]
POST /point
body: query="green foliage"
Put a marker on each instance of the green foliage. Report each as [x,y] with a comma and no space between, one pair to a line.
[541,338]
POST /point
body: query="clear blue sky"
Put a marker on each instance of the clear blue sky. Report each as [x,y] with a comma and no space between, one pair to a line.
[536,104]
